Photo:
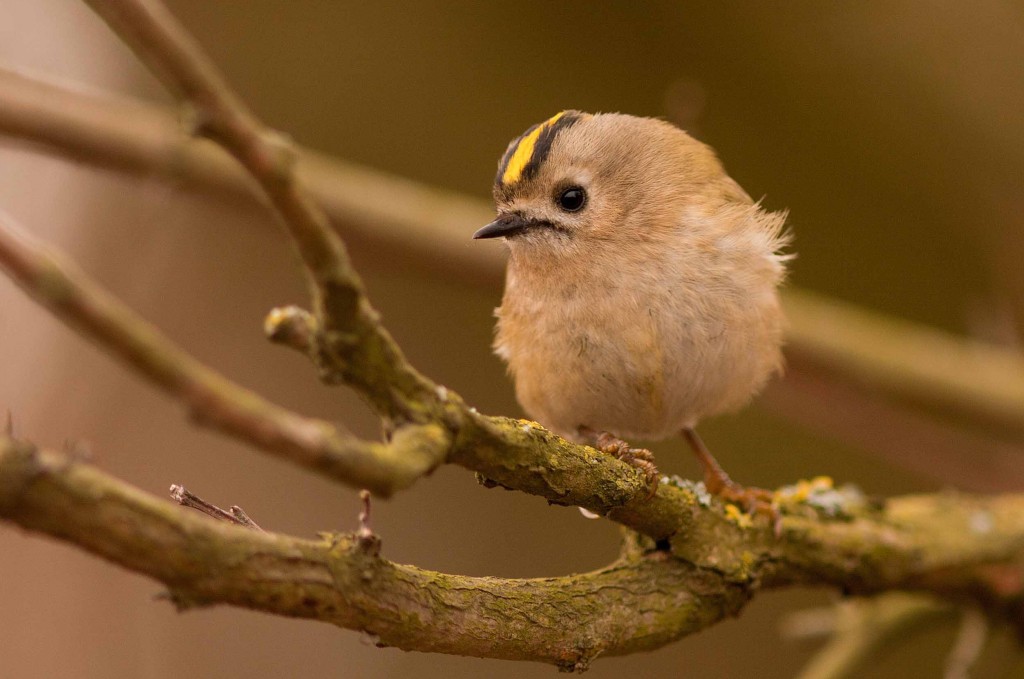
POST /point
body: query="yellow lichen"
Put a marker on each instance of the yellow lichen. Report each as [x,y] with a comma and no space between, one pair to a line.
[803,489]
[738,517]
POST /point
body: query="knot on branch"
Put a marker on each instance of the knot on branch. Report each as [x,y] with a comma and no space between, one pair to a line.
[194,120]
[340,303]
[20,464]
[291,326]
[274,155]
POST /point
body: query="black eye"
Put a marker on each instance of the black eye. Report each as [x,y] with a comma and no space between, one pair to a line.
[572,199]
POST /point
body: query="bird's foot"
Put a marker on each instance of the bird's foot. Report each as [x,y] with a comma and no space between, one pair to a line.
[639,458]
[752,500]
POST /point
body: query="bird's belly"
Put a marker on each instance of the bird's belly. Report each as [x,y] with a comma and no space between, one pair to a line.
[624,378]
[642,376]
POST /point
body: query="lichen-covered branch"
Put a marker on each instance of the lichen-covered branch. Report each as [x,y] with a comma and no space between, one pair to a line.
[975,382]
[629,606]
[649,598]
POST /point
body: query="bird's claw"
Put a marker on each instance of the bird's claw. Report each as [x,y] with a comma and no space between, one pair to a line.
[639,458]
[758,501]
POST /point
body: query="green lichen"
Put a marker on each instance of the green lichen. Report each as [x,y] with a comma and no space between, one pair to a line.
[821,495]
[695,488]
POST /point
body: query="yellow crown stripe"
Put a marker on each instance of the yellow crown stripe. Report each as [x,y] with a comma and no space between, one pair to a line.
[524,151]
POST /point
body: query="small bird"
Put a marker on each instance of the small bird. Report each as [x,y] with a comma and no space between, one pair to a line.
[641,294]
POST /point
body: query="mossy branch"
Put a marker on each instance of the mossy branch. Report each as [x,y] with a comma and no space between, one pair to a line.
[647,599]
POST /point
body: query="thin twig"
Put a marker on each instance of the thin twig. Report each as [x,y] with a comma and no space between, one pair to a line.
[211,398]
[352,343]
[970,641]
[365,537]
[236,516]
[244,518]
[864,627]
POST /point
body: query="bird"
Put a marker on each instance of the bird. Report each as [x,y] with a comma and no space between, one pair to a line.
[641,289]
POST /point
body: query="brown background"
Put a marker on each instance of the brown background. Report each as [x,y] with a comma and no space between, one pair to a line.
[891,130]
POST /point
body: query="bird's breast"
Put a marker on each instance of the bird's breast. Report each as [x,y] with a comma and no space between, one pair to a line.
[592,357]
[640,357]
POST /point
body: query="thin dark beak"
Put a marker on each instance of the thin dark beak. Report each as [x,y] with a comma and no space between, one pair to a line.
[507,225]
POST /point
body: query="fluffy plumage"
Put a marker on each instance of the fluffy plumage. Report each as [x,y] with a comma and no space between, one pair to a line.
[653,306]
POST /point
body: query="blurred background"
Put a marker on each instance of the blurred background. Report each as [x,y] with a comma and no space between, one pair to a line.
[890,130]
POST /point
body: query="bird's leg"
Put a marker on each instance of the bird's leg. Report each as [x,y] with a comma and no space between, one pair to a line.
[757,500]
[640,458]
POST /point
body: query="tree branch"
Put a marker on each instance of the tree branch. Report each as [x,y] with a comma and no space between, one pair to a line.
[626,607]
[646,600]
[960,377]
[352,341]
[865,628]
[389,213]
[211,399]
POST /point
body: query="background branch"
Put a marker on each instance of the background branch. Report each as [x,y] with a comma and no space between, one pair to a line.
[865,628]
[977,383]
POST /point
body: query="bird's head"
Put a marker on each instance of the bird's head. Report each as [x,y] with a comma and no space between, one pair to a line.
[579,178]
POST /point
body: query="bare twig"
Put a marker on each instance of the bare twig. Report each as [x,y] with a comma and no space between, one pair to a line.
[236,516]
[351,341]
[969,644]
[212,399]
[863,628]
[365,536]
[243,518]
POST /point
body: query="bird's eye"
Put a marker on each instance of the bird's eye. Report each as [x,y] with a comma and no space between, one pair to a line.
[572,199]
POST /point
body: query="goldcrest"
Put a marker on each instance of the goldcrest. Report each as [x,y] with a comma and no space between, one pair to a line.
[641,294]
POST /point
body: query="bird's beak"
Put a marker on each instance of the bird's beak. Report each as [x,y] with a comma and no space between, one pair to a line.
[506,225]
